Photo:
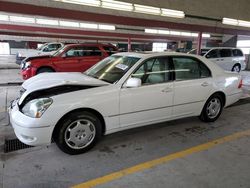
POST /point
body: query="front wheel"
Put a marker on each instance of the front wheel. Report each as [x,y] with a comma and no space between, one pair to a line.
[78,133]
[212,109]
[45,69]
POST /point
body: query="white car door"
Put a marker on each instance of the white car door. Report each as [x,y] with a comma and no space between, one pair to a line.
[192,86]
[152,102]
[226,59]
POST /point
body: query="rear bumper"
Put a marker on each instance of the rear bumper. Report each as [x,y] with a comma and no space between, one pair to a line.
[233,98]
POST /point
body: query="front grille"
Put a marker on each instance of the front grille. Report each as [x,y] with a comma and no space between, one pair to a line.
[14,145]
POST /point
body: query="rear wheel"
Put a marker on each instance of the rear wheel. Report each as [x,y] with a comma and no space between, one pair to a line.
[212,108]
[45,69]
[78,132]
[236,68]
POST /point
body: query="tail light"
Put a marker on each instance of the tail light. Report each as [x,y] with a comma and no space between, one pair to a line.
[240,84]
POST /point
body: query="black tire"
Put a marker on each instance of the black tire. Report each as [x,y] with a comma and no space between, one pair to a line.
[236,68]
[43,70]
[62,132]
[205,116]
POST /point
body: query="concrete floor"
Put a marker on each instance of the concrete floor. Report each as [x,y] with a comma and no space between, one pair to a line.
[224,165]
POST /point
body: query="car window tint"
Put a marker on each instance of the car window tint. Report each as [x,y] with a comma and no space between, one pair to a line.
[82,51]
[92,51]
[109,50]
[204,71]
[112,68]
[52,47]
[186,68]
[225,53]
[237,52]
[212,54]
[154,71]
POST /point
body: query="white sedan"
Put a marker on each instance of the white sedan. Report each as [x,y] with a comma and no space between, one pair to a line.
[123,91]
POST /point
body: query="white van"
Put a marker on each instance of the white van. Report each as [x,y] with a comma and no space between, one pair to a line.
[231,59]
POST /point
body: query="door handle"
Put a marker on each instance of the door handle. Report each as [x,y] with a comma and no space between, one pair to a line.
[167,89]
[205,84]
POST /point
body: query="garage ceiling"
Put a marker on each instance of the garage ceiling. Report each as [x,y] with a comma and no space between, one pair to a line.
[201,16]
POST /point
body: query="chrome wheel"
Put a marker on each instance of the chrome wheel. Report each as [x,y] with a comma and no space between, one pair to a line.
[213,108]
[79,134]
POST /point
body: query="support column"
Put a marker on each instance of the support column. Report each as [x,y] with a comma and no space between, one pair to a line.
[129,44]
[199,43]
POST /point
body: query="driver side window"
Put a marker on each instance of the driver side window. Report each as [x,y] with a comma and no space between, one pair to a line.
[154,71]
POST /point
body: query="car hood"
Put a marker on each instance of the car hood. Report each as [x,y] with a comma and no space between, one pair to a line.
[38,57]
[58,81]
[47,80]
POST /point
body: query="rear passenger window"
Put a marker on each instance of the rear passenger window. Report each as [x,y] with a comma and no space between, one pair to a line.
[188,68]
[237,53]
[92,51]
[225,53]
[204,71]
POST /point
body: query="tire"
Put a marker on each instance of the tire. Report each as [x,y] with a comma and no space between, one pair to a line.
[210,111]
[78,132]
[236,68]
[45,69]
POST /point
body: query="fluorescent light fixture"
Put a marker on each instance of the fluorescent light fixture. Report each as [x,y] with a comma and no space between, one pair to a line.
[95,3]
[186,34]
[194,34]
[117,5]
[154,31]
[46,21]
[172,13]
[206,35]
[163,32]
[229,21]
[68,24]
[88,26]
[175,33]
[4,17]
[234,22]
[243,23]
[23,19]
[106,27]
[147,9]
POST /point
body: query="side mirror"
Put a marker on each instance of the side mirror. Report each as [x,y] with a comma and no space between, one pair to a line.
[208,56]
[133,83]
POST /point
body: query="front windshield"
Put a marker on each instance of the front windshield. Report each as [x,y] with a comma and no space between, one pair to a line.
[41,47]
[59,51]
[112,69]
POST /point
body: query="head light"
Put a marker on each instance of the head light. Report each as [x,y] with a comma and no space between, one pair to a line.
[37,107]
[25,65]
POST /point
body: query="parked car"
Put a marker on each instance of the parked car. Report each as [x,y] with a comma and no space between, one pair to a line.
[230,59]
[45,49]
[123,91]
[70,58]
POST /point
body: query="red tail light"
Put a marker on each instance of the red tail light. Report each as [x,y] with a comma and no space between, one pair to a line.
[240,84]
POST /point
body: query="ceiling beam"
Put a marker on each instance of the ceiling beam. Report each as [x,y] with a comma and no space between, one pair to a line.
[112,19]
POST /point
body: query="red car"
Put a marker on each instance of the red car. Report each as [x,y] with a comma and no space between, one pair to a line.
[70,58]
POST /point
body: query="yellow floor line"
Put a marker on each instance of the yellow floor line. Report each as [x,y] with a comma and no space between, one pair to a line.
[155,162]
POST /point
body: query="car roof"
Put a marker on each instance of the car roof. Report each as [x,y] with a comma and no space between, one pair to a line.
[152,54]
[88,44]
